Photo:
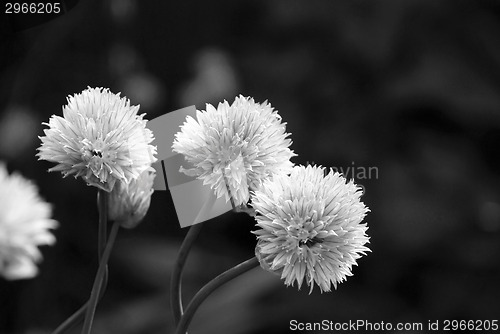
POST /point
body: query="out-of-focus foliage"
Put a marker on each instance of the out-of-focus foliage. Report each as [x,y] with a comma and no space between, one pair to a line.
[410,88]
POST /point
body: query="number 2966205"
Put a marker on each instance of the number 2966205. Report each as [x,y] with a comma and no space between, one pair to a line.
[32,7]
[471,325]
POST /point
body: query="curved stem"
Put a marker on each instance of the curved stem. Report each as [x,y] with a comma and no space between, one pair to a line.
[78,316]
[175,281]
[75,318]
[211,287]
[96,288]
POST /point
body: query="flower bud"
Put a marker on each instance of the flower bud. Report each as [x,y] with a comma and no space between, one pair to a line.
[129,203]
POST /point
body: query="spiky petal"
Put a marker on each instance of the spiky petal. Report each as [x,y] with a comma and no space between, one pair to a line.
[100,138]
[310,226]
[239,145]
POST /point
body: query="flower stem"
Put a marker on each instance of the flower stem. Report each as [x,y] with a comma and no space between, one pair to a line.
[211,287]
[78,316]
[102,204]
[175,282]
[75,318]
[96,288]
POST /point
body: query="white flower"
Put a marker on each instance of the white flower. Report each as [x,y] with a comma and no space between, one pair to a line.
[310,226]
[129,203]
[237,145]
[24,225]
[100,138]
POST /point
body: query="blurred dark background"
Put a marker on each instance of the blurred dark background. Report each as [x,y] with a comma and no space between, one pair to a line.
[410,89]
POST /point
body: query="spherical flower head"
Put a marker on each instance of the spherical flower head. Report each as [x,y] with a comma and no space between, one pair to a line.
[233,148]
[310,226]
[129,203]
[24,225]
[100,138]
